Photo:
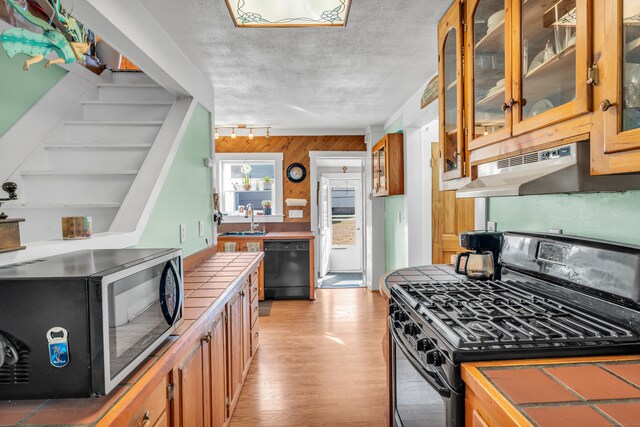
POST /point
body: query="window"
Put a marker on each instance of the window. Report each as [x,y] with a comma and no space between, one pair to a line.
[250,178]
[343,215]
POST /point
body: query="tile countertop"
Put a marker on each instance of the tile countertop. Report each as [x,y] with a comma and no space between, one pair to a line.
[426,273]
[272,235]
[208,287]
[595,391]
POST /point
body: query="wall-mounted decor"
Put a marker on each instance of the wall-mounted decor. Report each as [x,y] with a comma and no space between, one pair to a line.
[430,93]
[38,46]
[289,13]
[296,172]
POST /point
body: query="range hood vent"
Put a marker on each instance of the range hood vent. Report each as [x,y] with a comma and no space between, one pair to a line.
[559,170]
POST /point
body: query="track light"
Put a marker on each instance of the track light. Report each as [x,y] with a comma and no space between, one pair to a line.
[233,133]
[241,127]
[250,133]
[216,135]
[267,136]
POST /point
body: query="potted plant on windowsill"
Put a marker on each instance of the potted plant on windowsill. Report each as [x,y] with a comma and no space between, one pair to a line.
[246,170]
[267,183]
[266,207]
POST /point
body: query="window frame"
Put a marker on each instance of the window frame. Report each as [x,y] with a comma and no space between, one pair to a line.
[277,204]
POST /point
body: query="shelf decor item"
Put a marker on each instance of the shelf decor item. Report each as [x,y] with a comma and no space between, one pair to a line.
[267,183]
[77,227]
[246,170]
[266,206]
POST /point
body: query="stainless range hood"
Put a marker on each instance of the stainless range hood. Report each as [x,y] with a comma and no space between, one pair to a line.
[558,170]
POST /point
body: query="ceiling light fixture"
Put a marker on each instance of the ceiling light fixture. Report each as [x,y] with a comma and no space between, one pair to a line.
[242,126]
[289,13]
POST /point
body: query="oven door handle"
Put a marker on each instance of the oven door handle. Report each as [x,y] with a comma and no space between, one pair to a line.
[429,377]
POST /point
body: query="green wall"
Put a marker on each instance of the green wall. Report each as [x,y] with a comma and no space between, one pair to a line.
[608,216]
[186,196]
[394,235]
[20,89]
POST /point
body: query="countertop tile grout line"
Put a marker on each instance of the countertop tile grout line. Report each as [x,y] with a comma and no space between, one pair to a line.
[563,385]
[618,376]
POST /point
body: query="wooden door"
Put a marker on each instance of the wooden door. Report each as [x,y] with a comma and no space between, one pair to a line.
[487,71]
[218,373]
[550,88]
[450,86]
[450,217]
[192,401]
[235,366]
[246,329]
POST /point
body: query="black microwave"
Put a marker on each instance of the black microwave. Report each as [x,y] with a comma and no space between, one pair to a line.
[76,325]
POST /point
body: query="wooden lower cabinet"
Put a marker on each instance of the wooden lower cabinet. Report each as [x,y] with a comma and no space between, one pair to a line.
[218,372]
[235,358]
[246,329]
[191,400]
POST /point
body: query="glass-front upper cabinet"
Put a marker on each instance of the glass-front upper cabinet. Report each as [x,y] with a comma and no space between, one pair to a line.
[620,102]
[450,39]
[551,70]
[488,40]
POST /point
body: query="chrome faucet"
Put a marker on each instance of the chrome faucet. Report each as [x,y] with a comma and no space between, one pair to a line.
[246,215]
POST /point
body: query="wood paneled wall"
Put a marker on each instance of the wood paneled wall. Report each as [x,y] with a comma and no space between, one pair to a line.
[296,150]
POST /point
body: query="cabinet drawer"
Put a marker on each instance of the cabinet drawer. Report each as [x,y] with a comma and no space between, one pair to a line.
[151,412]
[254,311]
[253,283]
[163,421]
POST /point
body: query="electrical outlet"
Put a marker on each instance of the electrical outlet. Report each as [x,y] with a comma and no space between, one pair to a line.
[399,217]
[555,230]
[296,213]
[492,226]
[201,228]
[183,233]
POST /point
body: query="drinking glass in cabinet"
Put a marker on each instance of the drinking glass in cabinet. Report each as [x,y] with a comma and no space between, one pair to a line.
[488,66]
[549,54]
[631,69]
[450,102]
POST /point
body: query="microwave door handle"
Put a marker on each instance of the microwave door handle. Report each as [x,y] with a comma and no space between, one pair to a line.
[428,376]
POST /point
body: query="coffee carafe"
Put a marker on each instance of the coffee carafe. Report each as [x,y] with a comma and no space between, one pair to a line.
[477,265]
[482,262]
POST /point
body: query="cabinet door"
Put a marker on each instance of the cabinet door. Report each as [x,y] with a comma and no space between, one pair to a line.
[235,366]
[192,401]
[551,58]
[488,71]
[246,329]
[450,86]
[620,105]
[382,170]
[376,171]
[218,375]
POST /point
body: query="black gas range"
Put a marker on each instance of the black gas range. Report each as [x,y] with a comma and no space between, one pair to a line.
[558,296]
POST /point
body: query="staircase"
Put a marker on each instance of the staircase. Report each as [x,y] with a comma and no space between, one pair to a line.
[87,165]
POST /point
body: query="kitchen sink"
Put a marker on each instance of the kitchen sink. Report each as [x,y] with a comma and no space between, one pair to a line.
[243,233]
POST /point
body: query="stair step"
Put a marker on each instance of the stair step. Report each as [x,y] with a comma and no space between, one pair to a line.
[91,157]
[131,77]
[125,111]
[112,132]
[76,187]
[133,92]
[43,220]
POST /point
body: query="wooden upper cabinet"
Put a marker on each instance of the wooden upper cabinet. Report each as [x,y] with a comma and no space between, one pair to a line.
[616,140]
[527,66]
[551,58]
[450,86]
[388,166]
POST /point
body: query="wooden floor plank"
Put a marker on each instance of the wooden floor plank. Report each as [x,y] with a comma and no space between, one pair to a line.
[320,363]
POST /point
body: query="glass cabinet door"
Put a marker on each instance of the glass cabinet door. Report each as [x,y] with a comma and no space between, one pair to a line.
[450,82]
[376,172]
[486,46]
[621,107]
[551,70]
[381,171]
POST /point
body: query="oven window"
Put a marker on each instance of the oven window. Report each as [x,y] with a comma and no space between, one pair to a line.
[135,316]
[416,402]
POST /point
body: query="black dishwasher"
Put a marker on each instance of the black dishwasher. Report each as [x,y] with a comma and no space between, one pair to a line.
[286,269]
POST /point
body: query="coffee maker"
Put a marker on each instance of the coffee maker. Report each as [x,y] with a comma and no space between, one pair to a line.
[483,244]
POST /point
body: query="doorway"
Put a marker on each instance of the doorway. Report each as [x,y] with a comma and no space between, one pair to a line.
[340,222]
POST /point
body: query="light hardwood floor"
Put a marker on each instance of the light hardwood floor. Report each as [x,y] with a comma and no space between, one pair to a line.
[319,363]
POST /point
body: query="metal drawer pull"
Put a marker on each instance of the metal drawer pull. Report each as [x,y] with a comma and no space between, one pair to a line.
[146,420]
[207,338]
[255,309]
[605,105]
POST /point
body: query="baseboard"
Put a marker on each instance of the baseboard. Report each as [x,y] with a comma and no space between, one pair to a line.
[193,260]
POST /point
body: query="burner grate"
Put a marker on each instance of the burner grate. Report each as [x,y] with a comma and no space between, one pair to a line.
[493,313]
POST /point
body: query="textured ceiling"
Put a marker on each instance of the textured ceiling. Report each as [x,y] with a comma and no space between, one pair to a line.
[309,78]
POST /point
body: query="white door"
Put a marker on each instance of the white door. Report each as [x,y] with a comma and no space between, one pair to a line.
[324,225]
[346,225]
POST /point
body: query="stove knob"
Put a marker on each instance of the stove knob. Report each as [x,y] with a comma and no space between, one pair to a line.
[410,329]
[438,359]
[423,345]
